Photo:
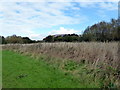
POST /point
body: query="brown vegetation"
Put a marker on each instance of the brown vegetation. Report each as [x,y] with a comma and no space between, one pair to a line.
[103,57]
[91,52]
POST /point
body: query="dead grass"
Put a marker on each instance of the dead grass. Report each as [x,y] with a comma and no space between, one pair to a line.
[91,52]
[103,57]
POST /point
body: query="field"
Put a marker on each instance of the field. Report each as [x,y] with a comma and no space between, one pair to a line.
[61,65]
[25,72]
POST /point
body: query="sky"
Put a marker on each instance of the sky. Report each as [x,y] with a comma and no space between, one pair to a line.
[38,19]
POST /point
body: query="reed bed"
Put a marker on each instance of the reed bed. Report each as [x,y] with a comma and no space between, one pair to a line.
[90,52]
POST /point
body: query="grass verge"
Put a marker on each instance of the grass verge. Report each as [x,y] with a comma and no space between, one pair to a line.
[41,71]
[20,71]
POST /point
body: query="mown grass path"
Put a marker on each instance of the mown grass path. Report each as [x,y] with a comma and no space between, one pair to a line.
[21,71]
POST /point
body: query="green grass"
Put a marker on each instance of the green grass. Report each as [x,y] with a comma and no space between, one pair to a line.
[20,71]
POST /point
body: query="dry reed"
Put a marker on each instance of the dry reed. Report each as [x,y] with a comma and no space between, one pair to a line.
[100,55]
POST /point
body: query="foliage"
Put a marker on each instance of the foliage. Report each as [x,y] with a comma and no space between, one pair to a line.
[16,39]
[49,38]
[89,60]
[102,31]
[2,40]
[63,73]
[62,38]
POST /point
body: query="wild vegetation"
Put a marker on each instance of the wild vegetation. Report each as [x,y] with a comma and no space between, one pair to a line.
[101,32]
[91,58]
[15,39]
[20,71]
[98,62]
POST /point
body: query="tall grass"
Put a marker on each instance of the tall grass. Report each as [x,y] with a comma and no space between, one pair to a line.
[101,59]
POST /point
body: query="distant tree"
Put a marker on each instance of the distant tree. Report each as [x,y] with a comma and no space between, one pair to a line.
[80,39]
[58,38]
[14,39]
[71,38]
[26,40]
[87,37]
[2,40]
[102,31]
[49,38]
[67,38]
[18,39]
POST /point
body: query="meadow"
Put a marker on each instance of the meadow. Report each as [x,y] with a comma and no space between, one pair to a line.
[21,71]
[83,65]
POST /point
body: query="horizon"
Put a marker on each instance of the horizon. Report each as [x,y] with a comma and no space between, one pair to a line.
[37,20]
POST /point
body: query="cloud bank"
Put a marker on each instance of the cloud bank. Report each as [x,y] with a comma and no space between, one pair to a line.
[63,30]
[23,18]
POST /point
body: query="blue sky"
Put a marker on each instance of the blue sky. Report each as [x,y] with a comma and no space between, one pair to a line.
[39,19]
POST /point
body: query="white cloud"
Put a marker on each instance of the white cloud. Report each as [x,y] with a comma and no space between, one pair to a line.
[60,0]
[63,30]
[37,14]
[96,0]
[109,5]
[23,17]
[100,5]
[37,36]
[22,31]
[101,14]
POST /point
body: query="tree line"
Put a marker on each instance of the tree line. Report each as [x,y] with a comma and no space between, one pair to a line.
[102,31]
[16,39]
